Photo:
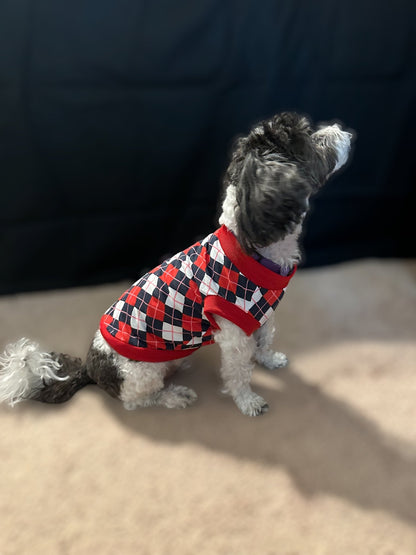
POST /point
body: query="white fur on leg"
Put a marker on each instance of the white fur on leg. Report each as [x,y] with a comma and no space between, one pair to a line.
[176,397]
[264,355]
[141,381]
[237,351]
[144,386]
[144,382]
[101,344]
[24,370]
[272,359]
[171,397]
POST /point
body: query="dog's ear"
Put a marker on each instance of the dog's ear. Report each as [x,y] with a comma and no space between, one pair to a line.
[271,198]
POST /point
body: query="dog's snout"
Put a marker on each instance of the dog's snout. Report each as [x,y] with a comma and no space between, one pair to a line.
[345,135]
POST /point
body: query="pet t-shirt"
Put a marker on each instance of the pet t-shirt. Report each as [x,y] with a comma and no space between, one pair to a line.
[169,312]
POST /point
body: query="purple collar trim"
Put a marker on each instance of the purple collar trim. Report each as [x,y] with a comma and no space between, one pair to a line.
[270,265]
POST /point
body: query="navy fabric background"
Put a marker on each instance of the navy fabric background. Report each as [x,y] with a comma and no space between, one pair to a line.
[117,118]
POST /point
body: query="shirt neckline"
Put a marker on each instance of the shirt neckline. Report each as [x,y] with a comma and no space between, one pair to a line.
[251,268]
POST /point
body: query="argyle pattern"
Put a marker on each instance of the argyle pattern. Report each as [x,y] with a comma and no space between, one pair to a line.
[164,309]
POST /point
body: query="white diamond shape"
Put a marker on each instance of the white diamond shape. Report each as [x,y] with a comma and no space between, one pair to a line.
[256,295]
[175,300]
[171,333]
[118,309]
[194,341]
[138,320]
[217,253]
[208,286]
[186,267]
[151,284]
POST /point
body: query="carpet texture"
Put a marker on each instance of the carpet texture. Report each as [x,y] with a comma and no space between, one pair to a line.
[331,469]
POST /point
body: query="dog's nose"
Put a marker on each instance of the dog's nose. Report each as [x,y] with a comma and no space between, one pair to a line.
[347,135]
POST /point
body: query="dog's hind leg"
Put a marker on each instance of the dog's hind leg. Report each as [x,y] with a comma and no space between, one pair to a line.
[144,386]
[264,355]
[135,383]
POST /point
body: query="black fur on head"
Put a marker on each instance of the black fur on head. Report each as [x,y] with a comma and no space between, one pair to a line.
[275,169]
[271,198]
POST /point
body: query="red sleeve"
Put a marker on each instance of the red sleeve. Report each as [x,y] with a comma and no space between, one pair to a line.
[218,306]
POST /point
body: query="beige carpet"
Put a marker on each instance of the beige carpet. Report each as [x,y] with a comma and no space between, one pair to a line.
[331,469]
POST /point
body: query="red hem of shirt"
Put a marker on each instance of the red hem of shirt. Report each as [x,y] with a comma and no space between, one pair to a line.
[251,268]
[140,353]
[221,307]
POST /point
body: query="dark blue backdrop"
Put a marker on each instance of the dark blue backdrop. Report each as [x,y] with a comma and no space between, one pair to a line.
[117,118]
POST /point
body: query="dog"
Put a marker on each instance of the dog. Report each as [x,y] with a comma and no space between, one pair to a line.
[223,289]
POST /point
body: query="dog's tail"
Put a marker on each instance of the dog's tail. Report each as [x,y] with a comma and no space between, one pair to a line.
[28,373]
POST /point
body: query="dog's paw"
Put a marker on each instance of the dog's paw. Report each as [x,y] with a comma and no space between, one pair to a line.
[271,360]
[177,397]
[251,404]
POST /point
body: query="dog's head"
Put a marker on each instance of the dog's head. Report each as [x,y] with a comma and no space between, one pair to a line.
[275,169]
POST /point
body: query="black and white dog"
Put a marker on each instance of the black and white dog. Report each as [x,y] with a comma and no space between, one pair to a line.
[223,289]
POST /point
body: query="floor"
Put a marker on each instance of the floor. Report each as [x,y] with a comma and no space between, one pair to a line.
[331,469]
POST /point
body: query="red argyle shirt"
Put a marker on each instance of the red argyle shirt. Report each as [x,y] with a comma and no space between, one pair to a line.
[169,312]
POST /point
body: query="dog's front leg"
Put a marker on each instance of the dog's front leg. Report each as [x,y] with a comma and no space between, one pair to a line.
[264,355]
[237,351]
